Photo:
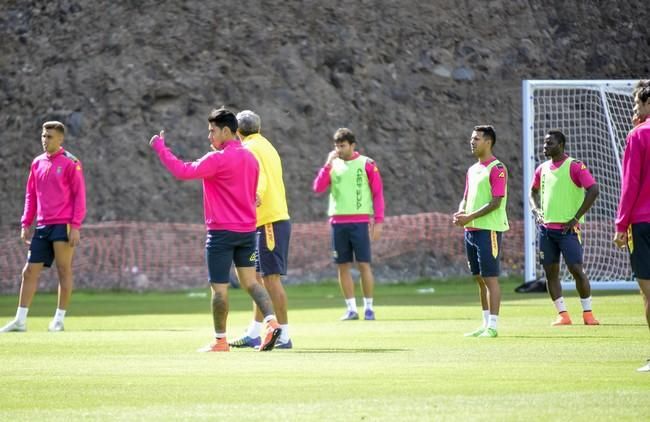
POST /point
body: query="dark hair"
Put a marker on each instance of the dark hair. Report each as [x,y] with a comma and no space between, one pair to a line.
[344,134]
[642,90]
[488,132]
[55,125]
[558,135]
[223,117]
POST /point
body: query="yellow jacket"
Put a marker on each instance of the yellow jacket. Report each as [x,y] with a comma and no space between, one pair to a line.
[270,186]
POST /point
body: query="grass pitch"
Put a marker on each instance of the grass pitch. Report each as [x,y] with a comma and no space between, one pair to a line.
[127,356]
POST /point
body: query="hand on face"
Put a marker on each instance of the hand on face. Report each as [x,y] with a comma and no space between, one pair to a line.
[160,136]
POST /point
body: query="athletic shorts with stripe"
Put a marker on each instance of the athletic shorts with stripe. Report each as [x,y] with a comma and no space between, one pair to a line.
[483,248]
[272,248]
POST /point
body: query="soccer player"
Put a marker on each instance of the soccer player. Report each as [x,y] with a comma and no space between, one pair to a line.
[356,210]
[483,214]
[56,196]
[567,191]
[229,175]
[633,216]
[273,230]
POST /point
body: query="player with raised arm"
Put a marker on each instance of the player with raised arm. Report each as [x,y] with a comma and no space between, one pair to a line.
[562,191]
[229,175]
[633,216]
[356,210]
[273,230]
[56,197]
[482,213]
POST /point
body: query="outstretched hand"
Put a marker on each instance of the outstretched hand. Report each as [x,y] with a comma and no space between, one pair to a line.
[156,137]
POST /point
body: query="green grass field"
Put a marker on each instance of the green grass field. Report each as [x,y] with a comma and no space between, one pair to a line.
[127,356]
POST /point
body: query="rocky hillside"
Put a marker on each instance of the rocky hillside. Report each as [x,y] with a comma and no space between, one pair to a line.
[410,77]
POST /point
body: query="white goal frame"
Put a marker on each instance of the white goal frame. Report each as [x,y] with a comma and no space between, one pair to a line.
[533,137]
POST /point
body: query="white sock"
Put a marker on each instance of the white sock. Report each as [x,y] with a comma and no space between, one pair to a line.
[486,318]
[492,321]
[269,318]
[219,335]
[254,329]
[351,304]
[284,336]
[367,303]
[21,314]
[559,304]
[59,314]
[586,304]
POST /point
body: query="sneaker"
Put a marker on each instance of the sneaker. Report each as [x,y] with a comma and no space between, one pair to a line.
[219,345]
[246,341]
[55,325]
[14,325]
[272,334]
[283,344]
[588,318]
[475,333]
[369,315]
[349,316]
[562,319]
[644,368]
[489,332]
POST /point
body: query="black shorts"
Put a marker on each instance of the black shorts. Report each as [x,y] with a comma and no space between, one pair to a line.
[273,248]
[350,241]
[483,248]
[222,248]
[639,246]
[41,249]
[552,243]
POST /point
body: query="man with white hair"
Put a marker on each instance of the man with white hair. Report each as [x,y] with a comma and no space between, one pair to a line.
[273,230]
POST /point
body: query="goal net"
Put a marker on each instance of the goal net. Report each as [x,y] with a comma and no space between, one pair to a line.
[595,116]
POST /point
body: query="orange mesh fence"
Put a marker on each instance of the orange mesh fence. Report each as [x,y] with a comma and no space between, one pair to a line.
[165,256]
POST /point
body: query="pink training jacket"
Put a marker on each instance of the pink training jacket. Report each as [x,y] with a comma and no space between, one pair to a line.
[323,181]
[634,205]
[56,192]
[229,183]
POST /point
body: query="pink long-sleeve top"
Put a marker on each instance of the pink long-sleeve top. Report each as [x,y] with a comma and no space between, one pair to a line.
[323,181]
[56,192]
[634,204]
[229,183]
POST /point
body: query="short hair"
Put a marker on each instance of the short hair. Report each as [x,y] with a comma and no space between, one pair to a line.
[488,132]
[344,134]
[558,135]
[53,124]
[248,122]
[222,117]
[642,90]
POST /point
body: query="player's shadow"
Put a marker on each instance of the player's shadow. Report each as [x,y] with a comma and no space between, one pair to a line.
[564,337]
[358,350]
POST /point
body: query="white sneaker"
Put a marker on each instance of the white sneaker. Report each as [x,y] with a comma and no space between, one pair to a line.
[14,325]
[55,325]
[645,368]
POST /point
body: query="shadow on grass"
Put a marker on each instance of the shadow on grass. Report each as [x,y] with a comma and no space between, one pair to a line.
[560,337]
[118,330]
[337,350]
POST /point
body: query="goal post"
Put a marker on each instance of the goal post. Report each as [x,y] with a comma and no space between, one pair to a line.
[595,116]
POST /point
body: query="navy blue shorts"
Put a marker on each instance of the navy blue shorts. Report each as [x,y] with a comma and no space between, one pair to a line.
[222,248]
[639,246]
[552,243]
[350,241]
[273,248]
[483,248]
[41,249]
